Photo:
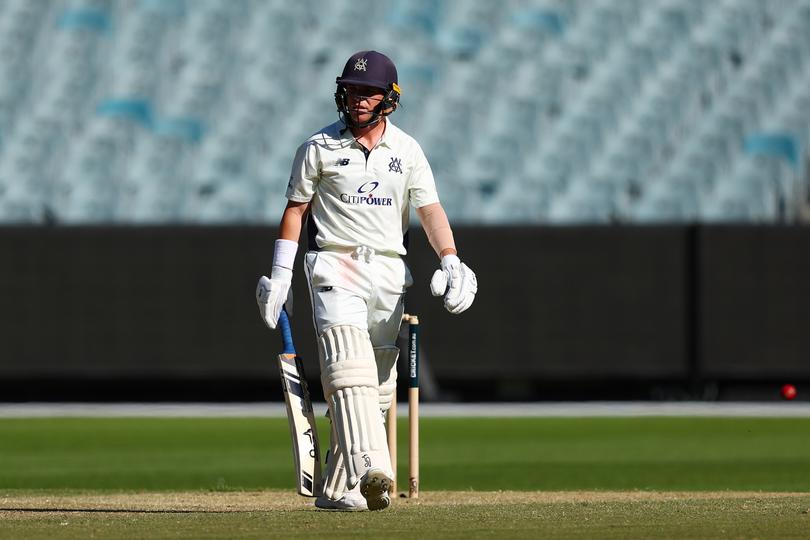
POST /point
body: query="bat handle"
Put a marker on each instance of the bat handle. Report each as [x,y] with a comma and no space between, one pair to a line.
[286,332]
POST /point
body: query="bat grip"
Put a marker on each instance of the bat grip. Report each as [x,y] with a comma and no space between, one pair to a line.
[286,332]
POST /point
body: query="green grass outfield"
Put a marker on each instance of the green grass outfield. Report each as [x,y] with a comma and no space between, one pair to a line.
[51,459]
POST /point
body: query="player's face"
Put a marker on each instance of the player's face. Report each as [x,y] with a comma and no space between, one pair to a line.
[362,101]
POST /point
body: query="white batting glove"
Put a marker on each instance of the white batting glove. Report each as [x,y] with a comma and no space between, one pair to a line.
[456,282]
[274,293]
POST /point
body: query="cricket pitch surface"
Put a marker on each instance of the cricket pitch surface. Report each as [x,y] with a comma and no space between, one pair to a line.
[439,514]
[262,501]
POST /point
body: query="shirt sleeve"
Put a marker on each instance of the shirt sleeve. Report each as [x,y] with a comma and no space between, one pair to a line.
[305,173]
[422,186]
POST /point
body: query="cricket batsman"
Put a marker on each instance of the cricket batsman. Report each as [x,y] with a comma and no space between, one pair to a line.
[352,183]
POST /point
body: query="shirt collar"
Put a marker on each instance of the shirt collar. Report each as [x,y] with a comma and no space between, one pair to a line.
[385,140]
[386,136]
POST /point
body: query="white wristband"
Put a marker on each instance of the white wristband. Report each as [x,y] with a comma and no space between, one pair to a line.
[284,254]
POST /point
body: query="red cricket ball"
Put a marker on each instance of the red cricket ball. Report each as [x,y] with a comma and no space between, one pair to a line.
[789,391]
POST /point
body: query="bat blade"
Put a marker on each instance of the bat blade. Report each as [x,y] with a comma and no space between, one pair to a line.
[303,431]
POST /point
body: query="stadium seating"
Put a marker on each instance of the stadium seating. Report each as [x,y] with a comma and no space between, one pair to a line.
[530,111]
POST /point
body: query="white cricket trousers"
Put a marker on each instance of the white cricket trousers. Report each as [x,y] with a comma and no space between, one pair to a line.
[358,287]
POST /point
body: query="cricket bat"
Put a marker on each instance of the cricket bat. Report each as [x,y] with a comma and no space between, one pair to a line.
[304,434]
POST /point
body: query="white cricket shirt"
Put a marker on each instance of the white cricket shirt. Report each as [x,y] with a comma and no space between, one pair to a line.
[358,201]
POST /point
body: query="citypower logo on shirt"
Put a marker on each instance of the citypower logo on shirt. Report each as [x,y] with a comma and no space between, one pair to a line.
[365,195]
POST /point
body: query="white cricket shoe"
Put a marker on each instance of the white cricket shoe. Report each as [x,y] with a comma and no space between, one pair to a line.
[350,502]
[374,486]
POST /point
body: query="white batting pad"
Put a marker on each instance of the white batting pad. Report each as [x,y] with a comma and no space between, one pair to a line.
[386,374]
[347,359]
[349,378]
[335,479]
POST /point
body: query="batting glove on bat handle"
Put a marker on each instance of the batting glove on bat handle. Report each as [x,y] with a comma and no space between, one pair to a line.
[273,294]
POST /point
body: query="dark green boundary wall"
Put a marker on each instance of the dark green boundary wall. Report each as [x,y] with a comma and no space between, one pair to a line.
[168,313]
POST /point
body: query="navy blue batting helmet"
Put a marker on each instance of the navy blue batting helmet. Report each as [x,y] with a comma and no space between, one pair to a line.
[373,69]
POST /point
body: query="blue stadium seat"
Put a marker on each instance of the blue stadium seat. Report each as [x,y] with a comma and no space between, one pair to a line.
[91,19]
[664,208]
[571,210]
[19,211]
[237,200]
[165,8]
